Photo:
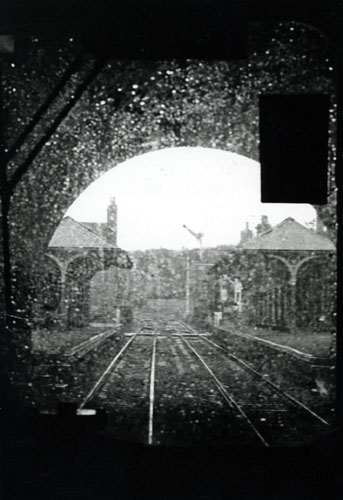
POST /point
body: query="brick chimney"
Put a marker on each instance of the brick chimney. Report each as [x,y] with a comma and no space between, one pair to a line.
[111,228]
[263,225]
[320,227]
[246,234]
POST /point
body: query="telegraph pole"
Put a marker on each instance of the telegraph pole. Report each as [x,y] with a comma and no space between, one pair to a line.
[188,287]
[198,237]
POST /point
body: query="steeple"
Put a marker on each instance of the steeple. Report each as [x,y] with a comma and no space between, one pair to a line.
[111,228]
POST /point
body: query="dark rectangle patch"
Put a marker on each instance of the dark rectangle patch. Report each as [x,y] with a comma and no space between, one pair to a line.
[294,148]
[155,30]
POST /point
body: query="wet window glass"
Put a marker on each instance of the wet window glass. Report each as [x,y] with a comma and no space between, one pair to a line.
[143,275]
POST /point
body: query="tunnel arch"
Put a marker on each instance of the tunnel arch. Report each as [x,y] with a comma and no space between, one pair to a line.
[66,179]
[206,109]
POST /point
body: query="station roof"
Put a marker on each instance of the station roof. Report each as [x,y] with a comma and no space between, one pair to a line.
[73,234]
[96,227]
[289,235]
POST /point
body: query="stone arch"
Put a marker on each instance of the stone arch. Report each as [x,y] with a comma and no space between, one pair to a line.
[56,310]
[79,271]
[49,291]
[316,293]
[53,277]
[182,110]
[274,302]
[296,304]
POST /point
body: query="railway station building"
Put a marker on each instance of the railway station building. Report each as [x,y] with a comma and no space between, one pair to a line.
[286,279]
[82,269]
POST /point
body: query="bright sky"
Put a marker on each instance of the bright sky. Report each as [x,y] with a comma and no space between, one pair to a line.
[211,191]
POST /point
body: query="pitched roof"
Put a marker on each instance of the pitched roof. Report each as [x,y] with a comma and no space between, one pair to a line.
[97,227]
[73,234]
[289,235]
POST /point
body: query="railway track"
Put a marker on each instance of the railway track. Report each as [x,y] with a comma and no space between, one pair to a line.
[122,363]
[80,350]
[208,381]
[101,380]
[296,402]
[272,385]
[228,397]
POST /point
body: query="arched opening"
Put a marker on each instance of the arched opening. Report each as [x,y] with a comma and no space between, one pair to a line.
[207,257]
[316,293]
[271,302]
[177,210]
[49,300]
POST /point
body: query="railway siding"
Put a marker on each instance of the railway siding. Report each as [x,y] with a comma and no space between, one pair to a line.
[278,346]
[64,378]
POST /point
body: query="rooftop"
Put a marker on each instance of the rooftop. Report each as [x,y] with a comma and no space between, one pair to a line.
[73,234]
[289,235]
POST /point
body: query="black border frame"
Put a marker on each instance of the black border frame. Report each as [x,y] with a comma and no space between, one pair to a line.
[127,471]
